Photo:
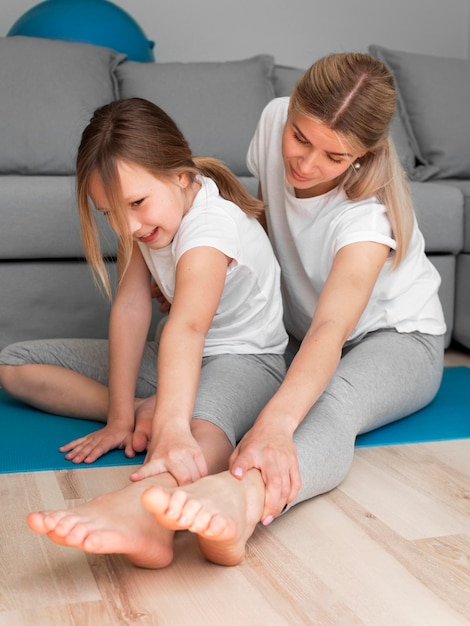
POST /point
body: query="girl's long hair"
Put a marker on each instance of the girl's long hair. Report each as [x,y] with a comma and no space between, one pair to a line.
[354,95]
[139,132]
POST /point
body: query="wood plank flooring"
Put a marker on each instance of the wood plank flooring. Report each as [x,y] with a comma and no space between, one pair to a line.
[389,547]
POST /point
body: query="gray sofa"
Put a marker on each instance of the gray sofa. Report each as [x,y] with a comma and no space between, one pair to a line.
[50,90]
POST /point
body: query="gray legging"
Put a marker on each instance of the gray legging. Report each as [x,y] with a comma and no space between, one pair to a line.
[381,378]
[233,388]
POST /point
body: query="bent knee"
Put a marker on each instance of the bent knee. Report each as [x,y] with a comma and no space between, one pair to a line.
[12,378]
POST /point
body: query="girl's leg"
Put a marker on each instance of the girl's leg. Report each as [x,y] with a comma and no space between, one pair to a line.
[118,523]
[384,377]
[66,377]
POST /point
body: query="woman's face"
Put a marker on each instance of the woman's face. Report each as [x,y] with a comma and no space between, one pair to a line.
[314,155]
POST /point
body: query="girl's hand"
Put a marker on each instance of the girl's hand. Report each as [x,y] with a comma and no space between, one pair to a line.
[272,451]
[89,448]
[179,454]
[159,297]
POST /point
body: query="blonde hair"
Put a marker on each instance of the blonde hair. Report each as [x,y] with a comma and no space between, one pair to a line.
[138,131]
[354,95]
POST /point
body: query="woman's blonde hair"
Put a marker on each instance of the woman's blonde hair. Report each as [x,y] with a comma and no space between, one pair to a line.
[139,132]
[354,95]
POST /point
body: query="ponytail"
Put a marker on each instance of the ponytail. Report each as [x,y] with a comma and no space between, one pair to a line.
[229,186]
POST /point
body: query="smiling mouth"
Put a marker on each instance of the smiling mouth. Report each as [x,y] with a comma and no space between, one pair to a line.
[150,236]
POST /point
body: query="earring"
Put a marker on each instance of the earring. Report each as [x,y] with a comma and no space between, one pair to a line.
[356,165]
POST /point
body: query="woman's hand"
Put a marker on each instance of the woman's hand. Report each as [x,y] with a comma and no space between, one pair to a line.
[89,448]
[270,450]
[177,453]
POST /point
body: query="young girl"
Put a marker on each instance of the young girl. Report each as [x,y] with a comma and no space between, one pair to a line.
[212,261]
[361,306]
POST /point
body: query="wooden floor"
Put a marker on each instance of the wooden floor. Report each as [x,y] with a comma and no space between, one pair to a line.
[389,547]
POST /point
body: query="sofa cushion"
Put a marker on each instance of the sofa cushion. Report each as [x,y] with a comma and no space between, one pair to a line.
[49,90]
[464,186]
[285,77]
[435,92]
[439,210]
[215,104]
[40,219]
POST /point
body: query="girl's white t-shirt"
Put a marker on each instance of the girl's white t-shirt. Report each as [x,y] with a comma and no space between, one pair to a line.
[306,234]
[249,317]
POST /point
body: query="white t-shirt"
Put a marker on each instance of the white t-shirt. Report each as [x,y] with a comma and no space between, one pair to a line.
[249,317]
[306,234]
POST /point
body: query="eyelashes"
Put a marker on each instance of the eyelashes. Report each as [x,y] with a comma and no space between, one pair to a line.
[304,142]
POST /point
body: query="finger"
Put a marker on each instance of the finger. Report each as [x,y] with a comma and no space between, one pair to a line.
[239,464]
[273,502]
[92,451]
[71,444]
[201,466]
[151,468]
[295,483]
[129,450]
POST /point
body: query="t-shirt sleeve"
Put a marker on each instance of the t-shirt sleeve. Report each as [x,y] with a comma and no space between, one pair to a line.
[215,229]
[274,111]
[366,221]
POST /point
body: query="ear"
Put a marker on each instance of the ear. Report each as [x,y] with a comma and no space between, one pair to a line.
[183,179]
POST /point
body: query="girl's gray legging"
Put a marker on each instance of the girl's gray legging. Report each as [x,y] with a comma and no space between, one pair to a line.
[381,378]
[233,388]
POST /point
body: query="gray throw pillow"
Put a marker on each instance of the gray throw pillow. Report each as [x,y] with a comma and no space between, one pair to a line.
[285,79]
[49,91]
[216,105]
[435,95]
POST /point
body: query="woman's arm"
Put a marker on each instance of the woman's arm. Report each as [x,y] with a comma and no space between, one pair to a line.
[200,280]
[268,445]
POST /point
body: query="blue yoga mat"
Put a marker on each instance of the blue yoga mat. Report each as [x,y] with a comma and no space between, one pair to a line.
[447,417]
[30,438]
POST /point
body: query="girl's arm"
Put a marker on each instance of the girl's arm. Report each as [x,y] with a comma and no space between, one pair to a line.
[129,323]
[269,446]
[200,280]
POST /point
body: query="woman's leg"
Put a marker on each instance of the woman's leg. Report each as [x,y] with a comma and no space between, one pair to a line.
[67,376]
[382,378]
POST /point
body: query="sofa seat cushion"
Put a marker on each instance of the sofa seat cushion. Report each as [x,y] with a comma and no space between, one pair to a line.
[49,91]
[434,93]
[40,219]
[439,211]
[464,186]
[216,105]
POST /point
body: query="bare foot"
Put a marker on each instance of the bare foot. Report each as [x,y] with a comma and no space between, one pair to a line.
[115,523]
[143,423]
[222,510]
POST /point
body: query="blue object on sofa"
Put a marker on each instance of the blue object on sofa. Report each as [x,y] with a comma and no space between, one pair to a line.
[97,22]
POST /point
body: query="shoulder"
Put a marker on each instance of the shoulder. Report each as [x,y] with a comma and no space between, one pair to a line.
[275,112]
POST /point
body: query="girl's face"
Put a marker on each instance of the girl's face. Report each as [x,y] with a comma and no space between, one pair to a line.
[154,206]
[314,155]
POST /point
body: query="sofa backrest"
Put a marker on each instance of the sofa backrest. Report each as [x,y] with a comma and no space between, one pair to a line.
[49,90]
